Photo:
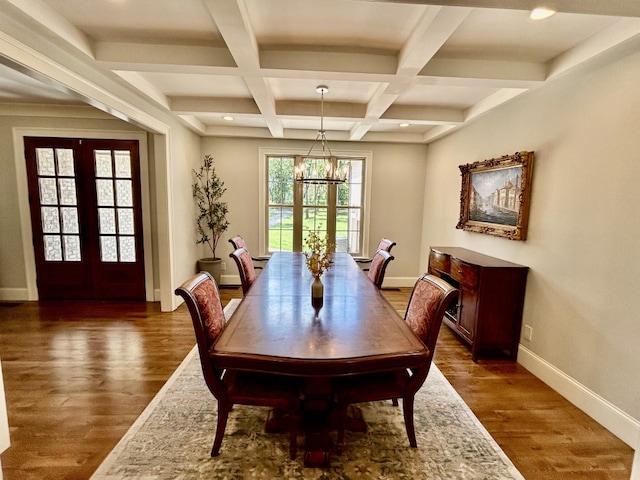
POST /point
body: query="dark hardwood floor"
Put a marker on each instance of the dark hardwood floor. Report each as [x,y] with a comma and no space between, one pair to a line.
[78,374]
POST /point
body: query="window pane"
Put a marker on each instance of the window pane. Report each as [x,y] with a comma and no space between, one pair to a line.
[348,230]
[127,249]
[48,191]
[108,249]
[280,180]
[124,193]
[67,191]
[107,221]
[71,248]
[104,191]
[65,162]
[314,219]
[280,229]
[313,194]
[70,220]
[52,248]
[44,161]
[123,164]
[50,219]
[103,163]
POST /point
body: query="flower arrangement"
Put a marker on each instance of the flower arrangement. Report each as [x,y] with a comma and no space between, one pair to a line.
[318,254]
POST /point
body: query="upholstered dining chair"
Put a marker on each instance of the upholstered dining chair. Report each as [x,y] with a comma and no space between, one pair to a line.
[384,244]
[245,268]
[430,298]
[379,266]
[237,241]
[230,387]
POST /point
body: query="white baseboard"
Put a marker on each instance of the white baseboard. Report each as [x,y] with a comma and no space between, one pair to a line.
[602,411]
[14,294]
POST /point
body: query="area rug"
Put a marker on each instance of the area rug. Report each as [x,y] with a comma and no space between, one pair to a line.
[172,440]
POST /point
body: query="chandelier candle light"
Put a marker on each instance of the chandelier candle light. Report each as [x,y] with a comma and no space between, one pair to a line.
[332,174]
[318,260]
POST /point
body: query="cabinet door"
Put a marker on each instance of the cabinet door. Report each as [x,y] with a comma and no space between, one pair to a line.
[467,312]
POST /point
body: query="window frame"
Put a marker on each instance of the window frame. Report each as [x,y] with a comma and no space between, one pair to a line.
[365,156]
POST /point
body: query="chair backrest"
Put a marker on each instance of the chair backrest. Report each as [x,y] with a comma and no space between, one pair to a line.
[245,268]
[202,297]
[386,245]
[378,267]
[430,298]
[237,242]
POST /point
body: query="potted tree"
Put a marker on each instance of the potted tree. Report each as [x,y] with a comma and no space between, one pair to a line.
[211,220]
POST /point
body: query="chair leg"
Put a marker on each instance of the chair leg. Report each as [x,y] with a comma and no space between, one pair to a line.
[223,415]
[407,403]
[394,402]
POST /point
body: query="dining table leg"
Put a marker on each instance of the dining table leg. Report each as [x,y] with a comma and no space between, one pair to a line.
[316,418]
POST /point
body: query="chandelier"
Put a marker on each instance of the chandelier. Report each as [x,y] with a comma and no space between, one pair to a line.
[331,173]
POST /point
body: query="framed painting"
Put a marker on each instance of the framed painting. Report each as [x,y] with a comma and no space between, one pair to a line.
[495,196]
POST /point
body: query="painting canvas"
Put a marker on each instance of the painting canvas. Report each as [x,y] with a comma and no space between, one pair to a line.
[495,196]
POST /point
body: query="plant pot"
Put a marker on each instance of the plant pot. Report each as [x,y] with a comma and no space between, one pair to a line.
[211,265]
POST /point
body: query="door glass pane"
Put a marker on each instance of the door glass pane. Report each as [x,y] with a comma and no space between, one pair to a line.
[127,249]
[104,192]
[103,163]
[52,248]
[70,220]
[106,221]
[65,162]
[48,191]
[71,248]
[124,193]
[67,191]
[108,249]
[45,163]
[123,164]
[50,219]
[125,221]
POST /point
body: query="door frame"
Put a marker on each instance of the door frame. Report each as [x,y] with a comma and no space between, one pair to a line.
[23,196]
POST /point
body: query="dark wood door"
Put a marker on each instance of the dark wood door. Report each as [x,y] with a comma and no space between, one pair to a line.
[86,218]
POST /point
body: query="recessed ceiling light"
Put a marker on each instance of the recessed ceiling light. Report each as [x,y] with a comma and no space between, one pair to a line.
[541,13]
[228,118]
[404,125]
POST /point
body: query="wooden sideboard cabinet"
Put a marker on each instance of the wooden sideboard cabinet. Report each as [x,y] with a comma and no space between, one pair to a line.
[488,315]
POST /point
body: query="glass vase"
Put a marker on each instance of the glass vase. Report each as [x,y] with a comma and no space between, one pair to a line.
[317,293]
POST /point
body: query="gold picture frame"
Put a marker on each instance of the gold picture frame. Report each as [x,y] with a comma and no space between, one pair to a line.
[495,196]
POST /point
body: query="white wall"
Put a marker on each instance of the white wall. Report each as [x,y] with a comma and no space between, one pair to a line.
[582,247]
[396,205]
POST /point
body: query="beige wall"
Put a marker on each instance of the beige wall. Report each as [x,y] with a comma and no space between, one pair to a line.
[396,204]
[584,225]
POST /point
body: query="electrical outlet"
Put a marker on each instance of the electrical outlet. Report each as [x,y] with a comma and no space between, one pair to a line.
[528,332]
[223,266]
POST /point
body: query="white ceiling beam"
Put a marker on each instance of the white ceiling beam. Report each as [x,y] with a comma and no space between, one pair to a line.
[143,86]
[433,29]
[424,115]
[231,18]
[312,109]
[492,101]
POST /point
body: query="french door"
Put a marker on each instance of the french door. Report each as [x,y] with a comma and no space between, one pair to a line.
[86,218]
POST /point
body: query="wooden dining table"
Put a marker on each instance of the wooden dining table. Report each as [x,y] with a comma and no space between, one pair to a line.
[276,329]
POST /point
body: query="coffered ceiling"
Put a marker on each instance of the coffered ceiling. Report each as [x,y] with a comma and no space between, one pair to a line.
[434,66]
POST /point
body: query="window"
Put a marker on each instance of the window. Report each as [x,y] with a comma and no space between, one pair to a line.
[294,209]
